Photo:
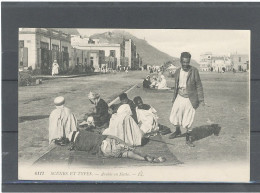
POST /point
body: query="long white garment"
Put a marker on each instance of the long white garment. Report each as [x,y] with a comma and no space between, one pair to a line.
[55,68]
[183,78]
[148,119]
[182,112]
[162,84]
[123,126]
[61,123]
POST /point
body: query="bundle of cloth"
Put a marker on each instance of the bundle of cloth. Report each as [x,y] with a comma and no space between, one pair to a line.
[123,127]
[162,84]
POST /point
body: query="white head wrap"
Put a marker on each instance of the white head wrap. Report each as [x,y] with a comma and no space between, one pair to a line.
[93,95]
[58,101]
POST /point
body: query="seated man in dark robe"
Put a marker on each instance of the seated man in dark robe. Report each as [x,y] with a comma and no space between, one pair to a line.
[107,146]
[99,117]
[147,82]
[125,100]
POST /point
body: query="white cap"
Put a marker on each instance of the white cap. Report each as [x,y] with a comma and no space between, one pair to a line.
[58,101]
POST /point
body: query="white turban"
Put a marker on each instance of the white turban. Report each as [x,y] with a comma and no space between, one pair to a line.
[58,101]
[93,95]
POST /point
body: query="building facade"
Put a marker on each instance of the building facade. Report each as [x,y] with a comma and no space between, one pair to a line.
[205,61]
[130,53]
[220,63]
[112,52]
[39,47]
[240,62]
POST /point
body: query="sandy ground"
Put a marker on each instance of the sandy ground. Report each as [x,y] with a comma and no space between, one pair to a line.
[226,96]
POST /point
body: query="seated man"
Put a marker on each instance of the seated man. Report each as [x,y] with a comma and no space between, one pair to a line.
[99,117]
[109,147]
[154,83]
[162,84]
[122,126]
[146,115]
[125,100]
[147,82]
[61,121]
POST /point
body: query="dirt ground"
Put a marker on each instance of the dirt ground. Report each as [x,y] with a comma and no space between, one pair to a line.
[226,95]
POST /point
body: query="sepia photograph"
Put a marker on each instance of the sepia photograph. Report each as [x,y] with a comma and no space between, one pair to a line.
[134,105]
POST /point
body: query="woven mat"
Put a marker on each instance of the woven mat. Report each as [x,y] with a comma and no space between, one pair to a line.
[62,156]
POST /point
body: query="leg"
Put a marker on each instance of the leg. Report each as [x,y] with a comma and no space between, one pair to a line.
[189,140]
[132,155]
[177,132]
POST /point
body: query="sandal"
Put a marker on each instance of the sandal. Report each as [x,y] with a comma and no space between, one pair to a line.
[159,160]
[149,158]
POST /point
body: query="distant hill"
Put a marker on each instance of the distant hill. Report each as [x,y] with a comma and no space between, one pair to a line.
[71,31]
[150,55]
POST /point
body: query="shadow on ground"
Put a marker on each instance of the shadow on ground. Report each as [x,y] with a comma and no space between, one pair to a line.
[31,118]
[204,131]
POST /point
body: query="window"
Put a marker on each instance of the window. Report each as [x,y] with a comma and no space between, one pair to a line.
[239,59]
[55,47]
[64,49]
[77,60]
[44,45]
[112,53]
[21,44]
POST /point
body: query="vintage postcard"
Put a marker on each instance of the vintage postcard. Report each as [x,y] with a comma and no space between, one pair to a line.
[134,105]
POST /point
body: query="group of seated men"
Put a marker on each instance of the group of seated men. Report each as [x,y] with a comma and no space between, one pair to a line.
[156,82]
[110,131]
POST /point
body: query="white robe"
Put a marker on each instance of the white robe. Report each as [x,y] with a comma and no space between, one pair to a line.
[148,119]
[55,68]
[163,84]
[123,127]
[61,123]
[182,113]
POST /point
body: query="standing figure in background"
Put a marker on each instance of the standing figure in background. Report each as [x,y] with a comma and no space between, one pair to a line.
[187,97]
[55,68]
[61,121]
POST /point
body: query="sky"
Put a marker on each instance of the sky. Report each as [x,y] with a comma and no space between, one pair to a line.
[175,41]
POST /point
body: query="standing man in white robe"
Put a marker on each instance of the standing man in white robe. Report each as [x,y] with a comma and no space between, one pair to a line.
[55,68]
[187,97]
[61,121]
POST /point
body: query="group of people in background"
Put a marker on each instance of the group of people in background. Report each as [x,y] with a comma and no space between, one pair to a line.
[156,82]
[114,131]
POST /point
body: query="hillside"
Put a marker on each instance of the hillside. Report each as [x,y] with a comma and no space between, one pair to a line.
[71,31]
[149,54]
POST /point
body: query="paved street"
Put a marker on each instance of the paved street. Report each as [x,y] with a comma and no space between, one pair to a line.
[226,96]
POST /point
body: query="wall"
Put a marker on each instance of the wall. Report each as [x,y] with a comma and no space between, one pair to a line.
[105,48]
[237,65]
[128,53]
[30,43]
